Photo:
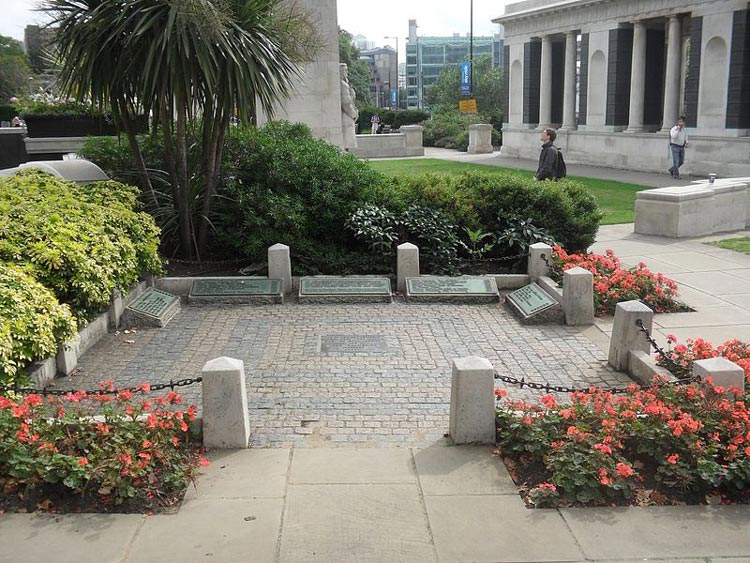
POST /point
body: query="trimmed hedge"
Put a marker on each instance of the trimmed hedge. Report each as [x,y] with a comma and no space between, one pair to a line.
[32,322]
[82,242]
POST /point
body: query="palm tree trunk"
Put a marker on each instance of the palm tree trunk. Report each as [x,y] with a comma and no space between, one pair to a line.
[214,131]
[140,164]
[186,229]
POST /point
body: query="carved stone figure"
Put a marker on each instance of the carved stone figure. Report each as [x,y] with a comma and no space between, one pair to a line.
[349,112]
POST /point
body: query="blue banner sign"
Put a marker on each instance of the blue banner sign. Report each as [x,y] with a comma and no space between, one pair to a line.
[394,95]
[466,78]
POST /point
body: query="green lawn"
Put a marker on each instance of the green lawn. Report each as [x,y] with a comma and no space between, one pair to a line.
[616,199]
[741,244]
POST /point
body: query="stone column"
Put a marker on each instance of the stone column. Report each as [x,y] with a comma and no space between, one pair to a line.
[539,254]
[226,423]
[672,77]
[407,264]
[578,297]
[637,79]
[280,266]
[626,335]
[472,412]
[569,99]
[545,84]
[480,139]
[414,139]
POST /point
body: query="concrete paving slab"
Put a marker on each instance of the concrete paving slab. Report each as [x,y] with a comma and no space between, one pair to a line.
[362,523]
[226,530]
[741,300]
[695,262]
[714,334]
[705,316]
[676,531]
[699,299]
[334,466]
[497,528]
[462,470]
[730,560]
[653,264]
[726,254]
[623,248]
[714,283]
[74,538]
[742,273]
[253,473]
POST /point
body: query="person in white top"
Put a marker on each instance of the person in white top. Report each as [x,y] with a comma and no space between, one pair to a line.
[678,142]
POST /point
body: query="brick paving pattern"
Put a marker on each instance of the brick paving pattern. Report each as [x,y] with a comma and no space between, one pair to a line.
[394,393]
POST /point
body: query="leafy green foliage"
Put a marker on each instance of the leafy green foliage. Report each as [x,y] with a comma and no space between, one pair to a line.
[488,87]
[359,71]
[282,185]
[82,242]
[32,322]
[394,118]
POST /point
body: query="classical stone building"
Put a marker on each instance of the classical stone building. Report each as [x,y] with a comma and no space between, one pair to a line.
[614,76]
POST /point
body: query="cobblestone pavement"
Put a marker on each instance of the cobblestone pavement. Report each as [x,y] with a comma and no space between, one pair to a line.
[371,375]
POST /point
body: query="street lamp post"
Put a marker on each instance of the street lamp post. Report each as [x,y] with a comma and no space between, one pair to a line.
[389,71]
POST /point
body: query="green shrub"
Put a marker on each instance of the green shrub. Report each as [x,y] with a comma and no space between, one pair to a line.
[82,241]
[450,130]
[394,118]
[282,185]
[7,112]
[32,322]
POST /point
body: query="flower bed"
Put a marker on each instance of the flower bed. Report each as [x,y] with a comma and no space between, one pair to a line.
[681,356]
[133,456]
[664,445]
[613,283]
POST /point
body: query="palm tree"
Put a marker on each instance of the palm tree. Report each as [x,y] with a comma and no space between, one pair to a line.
[180,60]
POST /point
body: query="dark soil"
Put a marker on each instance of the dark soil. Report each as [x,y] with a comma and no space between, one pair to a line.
[56,498]
[528,474]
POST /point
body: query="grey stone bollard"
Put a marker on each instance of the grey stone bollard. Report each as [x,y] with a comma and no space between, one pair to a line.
[537,266]
[578,297]
[407,264]
[472,415]
[723,372]
[226,423]
[280,266]
[626,335]
[480,138]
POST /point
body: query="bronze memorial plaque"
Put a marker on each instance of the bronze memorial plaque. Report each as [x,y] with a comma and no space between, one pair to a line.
[154,302]
[235,286]
[531,299]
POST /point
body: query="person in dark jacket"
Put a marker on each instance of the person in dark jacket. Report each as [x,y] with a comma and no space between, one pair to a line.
[548,157]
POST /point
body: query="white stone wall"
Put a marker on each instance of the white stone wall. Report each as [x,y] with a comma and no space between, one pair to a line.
[317,101]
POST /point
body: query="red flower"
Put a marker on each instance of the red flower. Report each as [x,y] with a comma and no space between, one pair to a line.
[673,458]
[83,461]
[624,470]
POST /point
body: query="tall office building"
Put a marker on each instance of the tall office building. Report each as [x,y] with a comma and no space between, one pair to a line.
[426,57]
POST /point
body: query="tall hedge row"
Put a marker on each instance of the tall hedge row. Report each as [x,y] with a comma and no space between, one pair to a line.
[78,242]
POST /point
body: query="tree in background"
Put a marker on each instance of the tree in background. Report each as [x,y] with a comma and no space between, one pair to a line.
[182,61]
[360,73]
[14,69]
[488,88]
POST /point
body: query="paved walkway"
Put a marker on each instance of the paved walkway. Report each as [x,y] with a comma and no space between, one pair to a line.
[425,500]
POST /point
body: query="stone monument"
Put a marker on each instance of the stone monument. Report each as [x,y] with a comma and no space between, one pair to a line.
[317,97]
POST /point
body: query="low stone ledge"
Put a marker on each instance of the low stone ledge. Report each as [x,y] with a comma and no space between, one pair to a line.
[550,286]
[642,368]
[510,281]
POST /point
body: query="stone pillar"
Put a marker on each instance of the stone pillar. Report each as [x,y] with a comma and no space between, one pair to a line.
[672,76]
[569,98]
[280,266]
[626,335]
[537,266]
[545,84]
[472,415]
[480,138]
[637,79]
[225,418]
[407,264]
[723,372]
[578,297]
[414,144]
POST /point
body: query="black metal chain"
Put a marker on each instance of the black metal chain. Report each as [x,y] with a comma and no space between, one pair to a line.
[546,261]
[676,368]
[563,389]
[62,392]
[502,259]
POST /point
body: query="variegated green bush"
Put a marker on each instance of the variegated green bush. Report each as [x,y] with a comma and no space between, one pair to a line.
[81,242]
[32,322]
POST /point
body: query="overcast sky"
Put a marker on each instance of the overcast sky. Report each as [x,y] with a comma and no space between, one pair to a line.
[375,20]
